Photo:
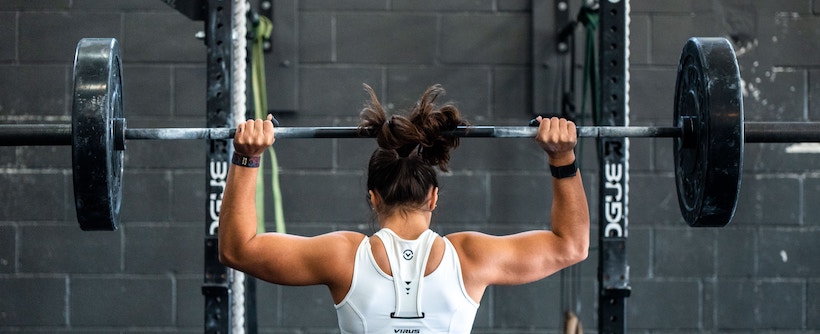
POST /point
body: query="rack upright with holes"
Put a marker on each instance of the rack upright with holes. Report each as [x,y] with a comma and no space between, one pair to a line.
[218,39]
[218,18]
[613,269]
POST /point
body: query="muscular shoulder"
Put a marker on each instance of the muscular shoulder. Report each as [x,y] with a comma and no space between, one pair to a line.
[474,260]
[338,251]
[332,250]
[333,253]
[480,250]
[467,238]
[341,240]
[468,244]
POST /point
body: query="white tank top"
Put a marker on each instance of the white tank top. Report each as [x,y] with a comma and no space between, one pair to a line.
[411,303]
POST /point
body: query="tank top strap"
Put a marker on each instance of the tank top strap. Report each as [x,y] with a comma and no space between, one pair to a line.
[408,261]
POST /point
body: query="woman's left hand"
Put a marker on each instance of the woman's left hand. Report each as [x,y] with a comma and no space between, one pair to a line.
[253,137]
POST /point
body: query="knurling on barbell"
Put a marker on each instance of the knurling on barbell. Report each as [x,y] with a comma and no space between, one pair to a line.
[708,131]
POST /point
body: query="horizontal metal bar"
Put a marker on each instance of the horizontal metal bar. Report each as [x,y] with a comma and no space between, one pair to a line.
[782,132]
[60,134]
[353,132]
[35,134]
[179,133]
[629,131]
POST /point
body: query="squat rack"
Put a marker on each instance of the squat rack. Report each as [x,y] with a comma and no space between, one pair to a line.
[613,270]
[613,153]
[216,286]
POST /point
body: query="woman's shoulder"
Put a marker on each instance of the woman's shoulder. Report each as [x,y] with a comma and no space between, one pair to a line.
[465,236]
[344,237]
[467,241]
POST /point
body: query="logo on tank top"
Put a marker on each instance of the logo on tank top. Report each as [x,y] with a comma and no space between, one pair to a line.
[402,330]
[407,254]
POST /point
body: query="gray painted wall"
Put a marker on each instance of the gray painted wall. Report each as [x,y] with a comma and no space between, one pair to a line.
[759,274]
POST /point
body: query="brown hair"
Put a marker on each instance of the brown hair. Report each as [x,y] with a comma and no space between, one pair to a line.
[401,169]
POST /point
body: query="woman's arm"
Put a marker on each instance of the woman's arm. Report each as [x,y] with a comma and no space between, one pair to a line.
[530,256]
[278,258]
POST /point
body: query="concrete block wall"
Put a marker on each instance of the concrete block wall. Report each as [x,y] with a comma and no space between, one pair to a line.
[760,274]
[754,275]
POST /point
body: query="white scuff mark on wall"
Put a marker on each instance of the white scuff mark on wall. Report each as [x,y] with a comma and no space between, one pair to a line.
[752,86]
[779,69]
[749,88]
[784,18]
[746,48]
[803,148]
[784,256]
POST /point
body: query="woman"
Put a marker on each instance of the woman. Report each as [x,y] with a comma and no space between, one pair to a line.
[405,278]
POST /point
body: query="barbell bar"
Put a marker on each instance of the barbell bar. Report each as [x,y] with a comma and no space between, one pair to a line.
[708,132]
[60,134]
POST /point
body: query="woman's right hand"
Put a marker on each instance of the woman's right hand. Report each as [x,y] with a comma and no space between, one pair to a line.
[253,137]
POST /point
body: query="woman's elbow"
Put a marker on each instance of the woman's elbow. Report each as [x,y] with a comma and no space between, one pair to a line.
[228,257]
[582,254]
[578,251]
[225,258]
[581,244]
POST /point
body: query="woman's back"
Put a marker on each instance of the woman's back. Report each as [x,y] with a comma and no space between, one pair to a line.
[381,302]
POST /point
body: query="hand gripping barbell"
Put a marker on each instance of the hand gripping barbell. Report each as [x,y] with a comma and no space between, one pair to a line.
[709,133]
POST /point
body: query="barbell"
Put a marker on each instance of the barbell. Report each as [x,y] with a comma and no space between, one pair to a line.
[708,132]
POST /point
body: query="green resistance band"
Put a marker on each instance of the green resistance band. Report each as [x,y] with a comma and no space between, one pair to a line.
[263,31]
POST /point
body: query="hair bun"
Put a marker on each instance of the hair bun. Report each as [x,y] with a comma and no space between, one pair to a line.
[420,131]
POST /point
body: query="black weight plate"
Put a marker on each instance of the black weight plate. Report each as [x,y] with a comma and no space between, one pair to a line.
[97,102]
[709,158]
